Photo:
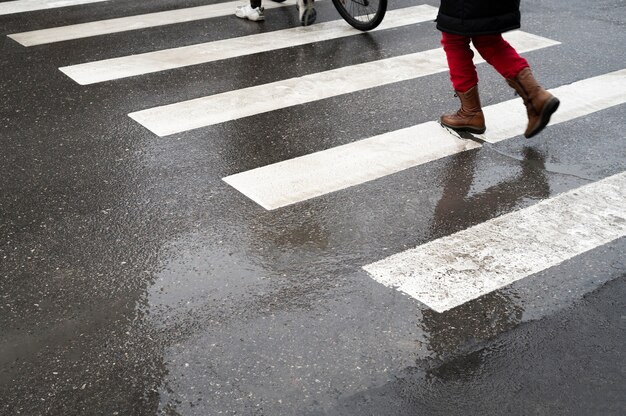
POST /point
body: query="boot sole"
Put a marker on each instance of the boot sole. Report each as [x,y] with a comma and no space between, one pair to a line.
[468,129]
[544,118]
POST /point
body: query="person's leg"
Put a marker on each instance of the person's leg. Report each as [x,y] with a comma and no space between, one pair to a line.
[464,80]
[500,54]
[460,61]
[540,104]
[306,12]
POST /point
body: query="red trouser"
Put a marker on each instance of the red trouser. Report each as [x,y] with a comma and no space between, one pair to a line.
[493,48]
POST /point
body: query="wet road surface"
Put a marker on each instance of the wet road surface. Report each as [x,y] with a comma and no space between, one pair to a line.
[135,281]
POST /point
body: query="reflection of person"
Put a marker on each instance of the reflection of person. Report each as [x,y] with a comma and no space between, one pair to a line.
[458,208]
[472,323]
[482,22]
[255,11]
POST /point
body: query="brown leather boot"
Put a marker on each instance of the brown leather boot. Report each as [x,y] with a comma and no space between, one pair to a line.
[540,104]
[470,116]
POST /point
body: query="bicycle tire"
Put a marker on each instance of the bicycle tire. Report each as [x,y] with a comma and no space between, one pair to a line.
[362,14]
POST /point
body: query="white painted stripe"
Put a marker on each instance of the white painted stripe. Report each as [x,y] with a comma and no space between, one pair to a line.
[116,68]
[143,21]
[306,177]
[21,6]
[206,111]
[317,174]
[448,272]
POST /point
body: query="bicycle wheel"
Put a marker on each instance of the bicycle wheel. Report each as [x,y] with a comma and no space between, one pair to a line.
[362,14]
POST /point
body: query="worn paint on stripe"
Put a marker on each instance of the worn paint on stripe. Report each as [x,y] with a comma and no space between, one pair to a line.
[450,271]
[330,170]
[319,173]
[128,66]
[123,24]
[206,111]
[21,6]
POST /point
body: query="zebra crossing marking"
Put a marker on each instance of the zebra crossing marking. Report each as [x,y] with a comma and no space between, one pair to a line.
[231,105]
[124,24]
[453,270]
[319,173]
[21,6]
[296,180]
[150,62]
[447,272]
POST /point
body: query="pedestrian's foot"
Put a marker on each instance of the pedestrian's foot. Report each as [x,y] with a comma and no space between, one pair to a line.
[247,12]
[551,105]
[306,12]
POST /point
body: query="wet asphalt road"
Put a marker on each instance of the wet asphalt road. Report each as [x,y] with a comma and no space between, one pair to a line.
[134,281]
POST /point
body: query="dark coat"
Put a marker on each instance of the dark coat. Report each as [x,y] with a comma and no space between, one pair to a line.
[478,17]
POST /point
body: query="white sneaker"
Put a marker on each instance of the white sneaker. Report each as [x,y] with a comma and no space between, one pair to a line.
[247,12]
[306,12]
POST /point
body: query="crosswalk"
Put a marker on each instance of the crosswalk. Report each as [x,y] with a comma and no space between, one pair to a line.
[128,66]
[130,23]
[206,111]
[288,182]
[22,6]
[443,273]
